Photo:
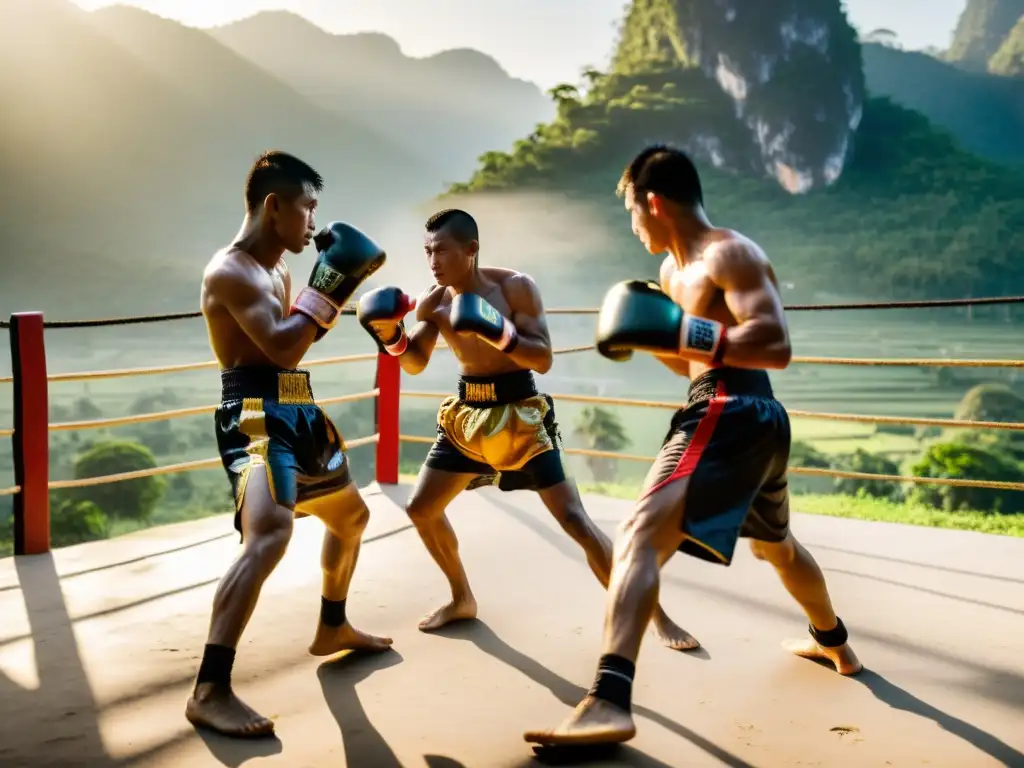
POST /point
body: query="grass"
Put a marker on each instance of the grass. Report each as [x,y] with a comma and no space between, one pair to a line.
[853,507]
[867,508]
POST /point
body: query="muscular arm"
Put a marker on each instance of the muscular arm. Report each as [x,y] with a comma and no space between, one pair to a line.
[534,348]
[760,338]
[422,340]
[674,363]
[260,315]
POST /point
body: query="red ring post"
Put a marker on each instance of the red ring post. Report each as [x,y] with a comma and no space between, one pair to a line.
[389,382]
[31,439]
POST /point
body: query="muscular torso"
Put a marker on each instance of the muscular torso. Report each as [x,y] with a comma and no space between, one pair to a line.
[693,289]
[231,345]
[476,357]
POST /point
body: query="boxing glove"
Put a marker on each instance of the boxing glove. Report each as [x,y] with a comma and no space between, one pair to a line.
[471,314]
[380,312]
[346,258]
[637,314]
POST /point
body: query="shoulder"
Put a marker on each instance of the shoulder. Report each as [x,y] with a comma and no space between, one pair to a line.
[229,273]
[735,258]
[517,287]
[429,300]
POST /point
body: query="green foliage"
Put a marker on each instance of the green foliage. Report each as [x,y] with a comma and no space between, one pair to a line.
[991,402]
[961,461]
[802,454]
[601,430]
[74,522]
[131,499]
[869,463]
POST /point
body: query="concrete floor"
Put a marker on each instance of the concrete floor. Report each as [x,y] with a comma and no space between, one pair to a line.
[99,644]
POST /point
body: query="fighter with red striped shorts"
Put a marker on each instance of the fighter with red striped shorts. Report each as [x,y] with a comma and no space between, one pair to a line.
[716,318]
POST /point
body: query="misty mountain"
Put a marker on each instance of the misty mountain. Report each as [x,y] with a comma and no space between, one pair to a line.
[984,112]
[126,140]
[981,30]
[448,108]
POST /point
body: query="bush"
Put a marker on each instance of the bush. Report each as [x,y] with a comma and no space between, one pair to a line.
[870,463]
[73,522]
[969,462]
[127,499]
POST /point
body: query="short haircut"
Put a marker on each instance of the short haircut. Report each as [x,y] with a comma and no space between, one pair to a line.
[459,224]
[665,171]
[280,173]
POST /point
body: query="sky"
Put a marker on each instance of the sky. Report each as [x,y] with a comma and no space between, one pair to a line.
[527,37]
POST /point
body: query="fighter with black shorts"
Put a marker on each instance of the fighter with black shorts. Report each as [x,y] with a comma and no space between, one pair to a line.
[717,318]
[282,454]
[498,430]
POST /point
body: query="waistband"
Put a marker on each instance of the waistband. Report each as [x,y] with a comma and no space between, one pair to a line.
[275,384]
[735,381]
[503,389]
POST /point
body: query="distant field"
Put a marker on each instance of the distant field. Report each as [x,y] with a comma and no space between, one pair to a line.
[869,390]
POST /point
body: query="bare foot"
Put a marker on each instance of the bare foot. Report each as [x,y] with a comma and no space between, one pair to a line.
[331,640]
[454,611]
[842,658]
[672,635]
[594,721]
[220,710]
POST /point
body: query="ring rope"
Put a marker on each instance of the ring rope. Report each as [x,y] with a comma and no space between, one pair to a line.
[10,491]
[956,482]
[851,417]
[349,309]
[120,421]
[168,469]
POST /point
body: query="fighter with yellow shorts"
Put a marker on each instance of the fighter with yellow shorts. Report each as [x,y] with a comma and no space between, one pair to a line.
[498,429]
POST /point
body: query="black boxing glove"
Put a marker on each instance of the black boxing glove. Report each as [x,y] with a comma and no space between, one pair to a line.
[637,314]
[471,314]
[381,311]
[347,257]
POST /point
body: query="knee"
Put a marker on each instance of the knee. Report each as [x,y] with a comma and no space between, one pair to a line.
[421,510]
[635,538]
[779,554]
[573,518]
[268,546]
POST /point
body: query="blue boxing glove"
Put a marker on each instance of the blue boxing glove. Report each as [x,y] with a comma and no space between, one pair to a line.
[471,314]
[346,258]
[638,315]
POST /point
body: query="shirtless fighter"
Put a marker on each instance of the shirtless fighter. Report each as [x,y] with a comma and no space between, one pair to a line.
[281,452]
[499,429]
[721,474]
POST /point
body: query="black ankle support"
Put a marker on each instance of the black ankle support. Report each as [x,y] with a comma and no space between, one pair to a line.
[332,612]
[614,682]
[832,638]
[216,665]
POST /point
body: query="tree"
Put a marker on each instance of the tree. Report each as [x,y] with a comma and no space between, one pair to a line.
[128,499]
[869,463]
[74,522]
[602,431]
[956,460]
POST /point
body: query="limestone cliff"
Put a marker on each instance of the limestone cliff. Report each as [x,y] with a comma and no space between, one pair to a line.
[791,69]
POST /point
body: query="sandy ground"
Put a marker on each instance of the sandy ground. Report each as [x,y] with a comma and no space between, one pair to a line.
[99,642]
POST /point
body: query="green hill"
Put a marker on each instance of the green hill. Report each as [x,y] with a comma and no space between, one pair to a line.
[447,108]
[913,215]
[1009,59]
[983,111]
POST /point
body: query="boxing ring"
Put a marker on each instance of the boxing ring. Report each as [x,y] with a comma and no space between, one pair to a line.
[112,668]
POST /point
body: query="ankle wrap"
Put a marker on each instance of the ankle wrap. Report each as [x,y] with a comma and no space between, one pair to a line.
[832,638]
